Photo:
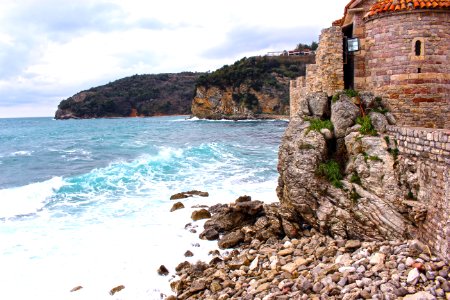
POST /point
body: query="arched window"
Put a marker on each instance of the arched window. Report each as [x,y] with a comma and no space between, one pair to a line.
[418,48]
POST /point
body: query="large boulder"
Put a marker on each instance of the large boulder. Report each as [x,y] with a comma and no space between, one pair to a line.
[379,121]
[318,104]
[367,206]
[343,115]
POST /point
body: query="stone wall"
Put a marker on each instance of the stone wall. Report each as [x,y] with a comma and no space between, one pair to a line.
[326,75]
[415,87]
[430,151]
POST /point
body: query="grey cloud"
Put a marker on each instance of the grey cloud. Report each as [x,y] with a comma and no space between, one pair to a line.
[241,40]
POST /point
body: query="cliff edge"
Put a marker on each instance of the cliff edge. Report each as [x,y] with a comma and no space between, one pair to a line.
[248,88]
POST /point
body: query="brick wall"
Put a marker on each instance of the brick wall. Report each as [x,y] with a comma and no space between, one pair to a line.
[415,87]
[430,149]
[326,75]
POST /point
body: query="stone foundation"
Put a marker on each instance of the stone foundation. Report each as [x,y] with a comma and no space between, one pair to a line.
[430,150]
[327,75]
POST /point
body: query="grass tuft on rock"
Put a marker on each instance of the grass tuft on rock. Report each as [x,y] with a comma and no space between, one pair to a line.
[366,126]
[318,124]
[332,172]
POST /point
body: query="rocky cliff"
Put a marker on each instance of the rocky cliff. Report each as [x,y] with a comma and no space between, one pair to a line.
[248,88]
[339,171]
[138,95]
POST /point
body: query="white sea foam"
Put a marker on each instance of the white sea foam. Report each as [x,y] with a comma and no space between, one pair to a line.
[27,199]
[120,228]
[21,153]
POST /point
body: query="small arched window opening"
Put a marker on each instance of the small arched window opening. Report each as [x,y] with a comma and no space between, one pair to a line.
[418,48]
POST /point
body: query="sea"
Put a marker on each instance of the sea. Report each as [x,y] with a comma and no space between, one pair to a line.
[87,202]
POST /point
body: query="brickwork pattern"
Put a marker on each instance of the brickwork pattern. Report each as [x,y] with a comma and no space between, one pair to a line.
[416,88]
[430,149]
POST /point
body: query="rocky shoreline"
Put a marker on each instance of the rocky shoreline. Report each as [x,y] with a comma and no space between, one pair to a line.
[267,264]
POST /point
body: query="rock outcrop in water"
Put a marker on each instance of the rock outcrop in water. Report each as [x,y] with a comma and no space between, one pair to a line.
[248,89]
[352,185]
[138,95]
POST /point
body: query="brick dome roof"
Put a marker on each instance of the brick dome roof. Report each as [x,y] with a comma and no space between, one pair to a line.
[384,6]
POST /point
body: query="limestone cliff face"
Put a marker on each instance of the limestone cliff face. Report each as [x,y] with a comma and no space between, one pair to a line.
[242,102]
[248,88]
[370,200]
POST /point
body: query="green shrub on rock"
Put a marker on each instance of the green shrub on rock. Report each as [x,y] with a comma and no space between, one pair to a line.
[366,126]
[332,172]
[318,124]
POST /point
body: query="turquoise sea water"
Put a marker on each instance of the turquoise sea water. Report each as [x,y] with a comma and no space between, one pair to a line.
[86,202]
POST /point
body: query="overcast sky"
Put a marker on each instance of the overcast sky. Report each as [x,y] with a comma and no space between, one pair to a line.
[52,49]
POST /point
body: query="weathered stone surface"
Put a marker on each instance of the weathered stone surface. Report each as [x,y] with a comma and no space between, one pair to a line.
[390,118]
[210,234]
[177,206]
[367,99]
[162,270]
[375,213]
[379,121]
[318,104]
[188,194]
[420,296]
[231,239]
[200,214]
[116,289]
[343,115]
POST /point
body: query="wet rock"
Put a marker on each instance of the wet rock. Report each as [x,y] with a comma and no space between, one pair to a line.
[162,270]
[231,239]
[188,194]
[209,234]
[244,198]
[116,289]
[77,288]
[200,214]
[177,206]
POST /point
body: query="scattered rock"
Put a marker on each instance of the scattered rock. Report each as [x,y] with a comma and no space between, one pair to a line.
[188,194]
[77,288]
[243,199]
[352,244]
[413,276]
[420,296]
[177,206]
[231,239]
[188,253]
[200,214]
[209,234]
[162,270]
[116,289]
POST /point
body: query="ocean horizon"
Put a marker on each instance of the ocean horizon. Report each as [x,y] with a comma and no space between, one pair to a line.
[86,202]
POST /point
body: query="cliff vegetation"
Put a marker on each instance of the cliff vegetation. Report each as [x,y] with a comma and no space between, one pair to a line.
[251,86]
[138,95]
